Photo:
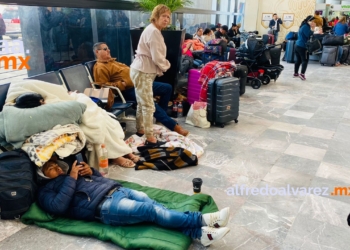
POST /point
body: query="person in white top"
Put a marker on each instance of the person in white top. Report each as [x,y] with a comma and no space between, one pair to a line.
[199,35]
[149,62]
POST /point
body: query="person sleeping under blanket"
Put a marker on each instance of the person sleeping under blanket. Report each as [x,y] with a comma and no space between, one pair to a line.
[32,100]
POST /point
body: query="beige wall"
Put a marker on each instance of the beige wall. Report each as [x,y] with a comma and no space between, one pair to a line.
[255,8]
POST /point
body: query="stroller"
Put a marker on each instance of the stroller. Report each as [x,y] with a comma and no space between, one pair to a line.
[256,56]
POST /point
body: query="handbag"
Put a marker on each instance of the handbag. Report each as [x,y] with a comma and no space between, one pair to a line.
[197,115]
[104,94]
[333,40]
[313,45]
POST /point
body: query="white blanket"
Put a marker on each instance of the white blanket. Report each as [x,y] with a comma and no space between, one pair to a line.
[97,125]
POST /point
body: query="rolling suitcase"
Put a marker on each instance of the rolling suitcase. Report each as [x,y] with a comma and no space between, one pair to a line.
[223,100]
[329,55]
[290,52]
[275,55]
[271,39]
[193,87]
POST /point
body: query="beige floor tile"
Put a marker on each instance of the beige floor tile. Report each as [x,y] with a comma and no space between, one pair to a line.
[270,144]
[331,171]
[287,127]
[319,133]
[306,152]
[299,114]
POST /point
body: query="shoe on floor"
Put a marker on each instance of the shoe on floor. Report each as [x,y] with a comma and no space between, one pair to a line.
[217,219]
[210,234]
[178,129]
[302,77]
[295,75]
[155,144]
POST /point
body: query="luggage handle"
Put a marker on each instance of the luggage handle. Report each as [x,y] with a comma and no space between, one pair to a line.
[9,154]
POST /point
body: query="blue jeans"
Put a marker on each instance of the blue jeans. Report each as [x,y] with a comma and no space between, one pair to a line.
[340,53]
[276,36]
[164,90]
[127,206]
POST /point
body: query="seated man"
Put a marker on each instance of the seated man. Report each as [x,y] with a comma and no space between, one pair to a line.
[107,71]
[105,200]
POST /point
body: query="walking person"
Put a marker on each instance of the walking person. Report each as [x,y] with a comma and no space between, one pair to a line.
[149,62]
[302,57]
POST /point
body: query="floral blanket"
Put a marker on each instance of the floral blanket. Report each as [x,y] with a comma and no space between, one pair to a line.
[173,139]
[64,140]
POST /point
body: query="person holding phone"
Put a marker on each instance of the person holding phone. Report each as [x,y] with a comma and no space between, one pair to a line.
[274,25]
[83,194]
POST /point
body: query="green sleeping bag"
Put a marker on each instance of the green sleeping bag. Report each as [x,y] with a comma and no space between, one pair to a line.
[141,236]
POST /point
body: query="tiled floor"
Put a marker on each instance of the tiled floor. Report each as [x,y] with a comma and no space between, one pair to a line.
[291,134]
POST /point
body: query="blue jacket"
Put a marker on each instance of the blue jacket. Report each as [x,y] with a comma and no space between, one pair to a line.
[304,35]
[273,22]
[340,29]
[77,199]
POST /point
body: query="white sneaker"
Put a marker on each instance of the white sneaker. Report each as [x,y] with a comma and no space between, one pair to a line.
[210,234]
[217,219]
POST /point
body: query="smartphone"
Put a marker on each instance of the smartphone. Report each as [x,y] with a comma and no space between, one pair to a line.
[79,158]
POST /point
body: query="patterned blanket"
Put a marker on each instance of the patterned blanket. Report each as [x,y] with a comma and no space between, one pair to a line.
[64,140]
[214,69]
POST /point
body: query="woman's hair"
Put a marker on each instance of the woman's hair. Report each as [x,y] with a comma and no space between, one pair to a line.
[158,11]
[188,36]
[213,29]
[206,31]
[307,19]
[28,100]
[199,28]
[342,19]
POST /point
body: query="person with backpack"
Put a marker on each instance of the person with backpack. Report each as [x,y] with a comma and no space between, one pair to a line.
[302,55]
[83,194]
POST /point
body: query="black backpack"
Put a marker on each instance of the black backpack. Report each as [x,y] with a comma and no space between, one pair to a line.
[17,184]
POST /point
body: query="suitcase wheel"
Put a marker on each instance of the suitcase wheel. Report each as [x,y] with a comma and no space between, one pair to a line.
[236,121]
[265,79]
[256,83]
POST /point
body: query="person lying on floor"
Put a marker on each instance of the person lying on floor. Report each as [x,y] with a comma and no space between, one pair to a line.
[32,100]
[84,194]
[107,71]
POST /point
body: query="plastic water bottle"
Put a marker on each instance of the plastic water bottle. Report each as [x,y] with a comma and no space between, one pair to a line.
[174,109]
[177,24]
[103,161]
[179,110]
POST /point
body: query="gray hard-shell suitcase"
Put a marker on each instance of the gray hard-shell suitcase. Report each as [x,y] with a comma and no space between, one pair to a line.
[223,100]
[329,55]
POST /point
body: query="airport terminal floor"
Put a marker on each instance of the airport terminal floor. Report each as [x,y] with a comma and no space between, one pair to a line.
[292,135]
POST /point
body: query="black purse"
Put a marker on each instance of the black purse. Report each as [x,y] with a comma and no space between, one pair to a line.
[313,45]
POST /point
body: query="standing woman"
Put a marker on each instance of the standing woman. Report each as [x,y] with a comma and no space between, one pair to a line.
[302,56]
[149,62]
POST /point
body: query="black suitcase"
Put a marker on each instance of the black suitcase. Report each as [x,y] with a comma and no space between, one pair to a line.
[275,55]
[290,51]
[329,55]
[223,100]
